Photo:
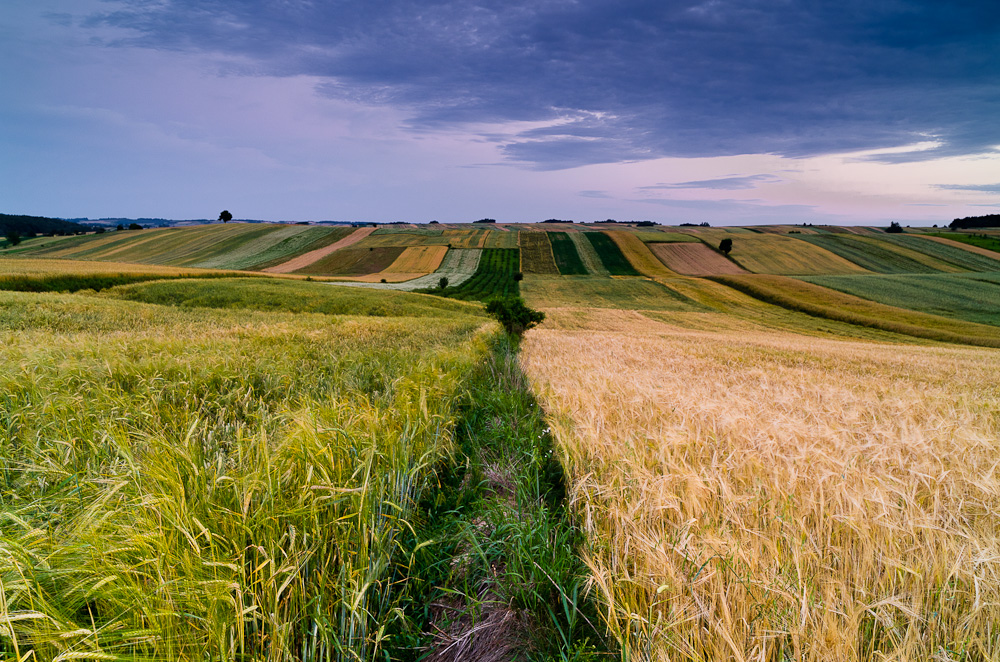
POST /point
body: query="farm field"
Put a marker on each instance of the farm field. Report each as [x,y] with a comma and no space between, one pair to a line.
[217,464]
[638,254]
[694,259]
[819,301]
[754,496]
[780,255]
[494,276]
[960,256]
[536,253]
[980,242]
[880,256]
[970,297]
[611,257]
[566,256]
[221,487]
[547,292]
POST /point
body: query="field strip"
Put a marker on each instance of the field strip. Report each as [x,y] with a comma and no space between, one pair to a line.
[306,259]
[536,253]
[588,255]
[639,255]
[695,259]
[458,266]
[418,260]
[979,250]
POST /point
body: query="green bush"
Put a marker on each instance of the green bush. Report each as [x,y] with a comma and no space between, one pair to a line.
[513,314]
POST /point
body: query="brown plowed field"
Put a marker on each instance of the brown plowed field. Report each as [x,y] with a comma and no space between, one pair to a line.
[306,259]
[694,259]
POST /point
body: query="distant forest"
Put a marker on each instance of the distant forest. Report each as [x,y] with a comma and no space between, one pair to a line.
[988,221]
[29,226]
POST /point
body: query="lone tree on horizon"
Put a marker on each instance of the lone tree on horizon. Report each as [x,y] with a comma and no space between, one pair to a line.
[225,216]
[726,245]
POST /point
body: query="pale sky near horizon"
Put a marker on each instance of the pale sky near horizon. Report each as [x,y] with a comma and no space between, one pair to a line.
[730,112]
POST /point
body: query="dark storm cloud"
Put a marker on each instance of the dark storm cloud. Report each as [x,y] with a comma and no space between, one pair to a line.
[628,79]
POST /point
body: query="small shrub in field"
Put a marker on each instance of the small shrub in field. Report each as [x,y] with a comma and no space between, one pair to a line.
[513,314]
[443,283]
[726,245]
[519,276]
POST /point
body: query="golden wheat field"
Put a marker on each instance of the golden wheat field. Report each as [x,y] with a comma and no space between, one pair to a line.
[753,496]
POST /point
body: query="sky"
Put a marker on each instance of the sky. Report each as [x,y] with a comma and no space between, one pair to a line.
[719,111]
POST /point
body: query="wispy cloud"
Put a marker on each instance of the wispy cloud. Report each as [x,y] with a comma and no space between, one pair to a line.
[984,188]
[734,183]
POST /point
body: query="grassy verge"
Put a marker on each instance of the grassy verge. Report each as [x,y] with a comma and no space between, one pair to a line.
[500,578]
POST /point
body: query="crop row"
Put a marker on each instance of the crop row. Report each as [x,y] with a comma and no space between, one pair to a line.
[611,256]
[566,256]
[494,277]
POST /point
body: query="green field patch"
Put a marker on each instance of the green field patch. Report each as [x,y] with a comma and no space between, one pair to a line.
[877,255]
[981,240]
[959,257]
[610,255]
[819,301]
[603,292]
[178,481]
[588,254]
[664,237]
[502,239]
[968,297]
[354,261]
[294,296]
[494,277]
[567,258]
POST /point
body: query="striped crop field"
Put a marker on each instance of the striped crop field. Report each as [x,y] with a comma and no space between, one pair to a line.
[475,238]
[610,255]
[695,259]
[982,244]
[588,254]
[418,260]
[879,256]
[775,254]
[763,496]
[820,301]
[502,239]
[403,239]
[639,255]
[353,261]
[969,297]
[346,237]
[186,246]
[959,256]
[547,292]
[567,258]
[494,277]
[28,274]
[536,253]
